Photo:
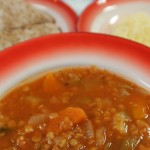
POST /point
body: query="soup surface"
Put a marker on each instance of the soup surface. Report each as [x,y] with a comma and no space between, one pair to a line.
[76,109]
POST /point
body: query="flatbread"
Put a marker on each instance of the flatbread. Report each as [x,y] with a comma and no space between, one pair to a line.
[20,21]
[12,37]
[18,13]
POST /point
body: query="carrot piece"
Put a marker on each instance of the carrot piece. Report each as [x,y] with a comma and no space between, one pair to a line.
[139,111]
[141,147]
[51,84]
[75,116]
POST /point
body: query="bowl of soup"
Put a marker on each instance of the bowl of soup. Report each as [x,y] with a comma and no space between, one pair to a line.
[75,91]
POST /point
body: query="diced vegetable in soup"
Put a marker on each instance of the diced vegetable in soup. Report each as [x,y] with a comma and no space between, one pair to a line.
[76,109]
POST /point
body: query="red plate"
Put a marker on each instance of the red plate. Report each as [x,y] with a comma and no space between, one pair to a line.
[65,17]
[102,14]
[126,58]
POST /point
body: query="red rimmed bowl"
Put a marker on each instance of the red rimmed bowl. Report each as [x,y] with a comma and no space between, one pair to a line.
[123,57]
[102,15]
[64,16]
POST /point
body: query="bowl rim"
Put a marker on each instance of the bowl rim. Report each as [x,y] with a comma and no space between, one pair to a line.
[65,10]
[43,41]
[89,14]
[20,59]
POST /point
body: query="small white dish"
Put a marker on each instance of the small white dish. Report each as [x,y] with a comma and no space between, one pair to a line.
[102,15]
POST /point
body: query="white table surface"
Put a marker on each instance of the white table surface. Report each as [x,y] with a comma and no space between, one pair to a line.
[78,5]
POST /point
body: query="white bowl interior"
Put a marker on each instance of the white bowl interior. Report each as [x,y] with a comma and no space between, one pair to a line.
[112,14]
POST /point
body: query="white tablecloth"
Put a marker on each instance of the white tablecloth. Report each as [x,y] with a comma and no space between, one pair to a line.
[78,5]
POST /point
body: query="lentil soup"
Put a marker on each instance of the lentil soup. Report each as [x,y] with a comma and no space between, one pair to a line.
[76,109]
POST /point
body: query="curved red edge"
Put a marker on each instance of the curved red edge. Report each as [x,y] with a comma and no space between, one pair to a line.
[14,56]
[89,14]
[61,7]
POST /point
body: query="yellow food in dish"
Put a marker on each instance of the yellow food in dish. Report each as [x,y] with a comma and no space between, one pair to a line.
[135,27]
